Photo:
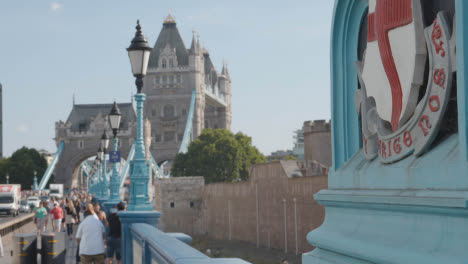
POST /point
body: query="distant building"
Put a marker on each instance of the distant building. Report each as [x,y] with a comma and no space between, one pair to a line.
[317,147]
[174,71]
[47,155]
[279,155]
[298,149]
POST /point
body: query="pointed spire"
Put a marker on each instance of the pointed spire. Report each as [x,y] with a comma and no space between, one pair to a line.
[169,19]
[73,98]
[194,48]
[225,71]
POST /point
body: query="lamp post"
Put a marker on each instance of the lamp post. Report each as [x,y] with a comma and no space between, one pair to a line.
[104,146]
[99,172]
[114,121]
[7,179]
[139,52]
[35,181]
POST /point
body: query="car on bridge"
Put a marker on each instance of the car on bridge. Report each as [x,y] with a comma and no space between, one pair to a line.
[33,200]
[45,198]
[24,206]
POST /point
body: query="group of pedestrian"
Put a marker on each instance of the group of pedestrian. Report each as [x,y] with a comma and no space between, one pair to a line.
[98,235]
[95,243]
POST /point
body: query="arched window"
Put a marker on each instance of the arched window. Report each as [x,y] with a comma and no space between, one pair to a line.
[164,64]
[171,63]
[169,111]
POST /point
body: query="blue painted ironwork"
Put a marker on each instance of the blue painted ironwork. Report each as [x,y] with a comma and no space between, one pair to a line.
[156,169]
[412,211]
[105,185]
[126,168]
[188,133]
[35,181]
[215,96]
[139,171]
[115,180]
[50,169]
[144,243]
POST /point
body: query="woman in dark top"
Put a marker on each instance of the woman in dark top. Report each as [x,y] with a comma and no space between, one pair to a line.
[78,209]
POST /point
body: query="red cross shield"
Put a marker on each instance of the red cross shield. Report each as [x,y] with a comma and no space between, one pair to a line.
[394,60]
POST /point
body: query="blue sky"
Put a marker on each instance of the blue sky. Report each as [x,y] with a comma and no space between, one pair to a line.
[277,53]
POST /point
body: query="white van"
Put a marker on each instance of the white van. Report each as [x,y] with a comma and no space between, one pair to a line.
[10,197]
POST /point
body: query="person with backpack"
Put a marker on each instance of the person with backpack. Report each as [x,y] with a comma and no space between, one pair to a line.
[115,233]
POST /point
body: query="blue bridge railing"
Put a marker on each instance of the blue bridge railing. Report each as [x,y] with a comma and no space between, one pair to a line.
[143,243]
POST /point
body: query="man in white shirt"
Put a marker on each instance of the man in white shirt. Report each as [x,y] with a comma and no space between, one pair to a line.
[91,236]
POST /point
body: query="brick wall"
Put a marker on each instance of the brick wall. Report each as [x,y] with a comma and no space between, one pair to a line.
[229,210]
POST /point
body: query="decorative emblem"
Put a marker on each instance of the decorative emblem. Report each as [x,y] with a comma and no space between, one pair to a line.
[397,119]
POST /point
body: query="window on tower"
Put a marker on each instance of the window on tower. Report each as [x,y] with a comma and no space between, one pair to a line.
[171,63]
[158,79]
[157,138]
[169,111]
[164,79]
[163,63]
[179,79]
[169,136]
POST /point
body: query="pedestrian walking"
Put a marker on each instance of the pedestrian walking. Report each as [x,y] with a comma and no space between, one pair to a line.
[70,218]
[50,207]
[115,234]
[91,237]
[57,213]
[78,209]
[41,218]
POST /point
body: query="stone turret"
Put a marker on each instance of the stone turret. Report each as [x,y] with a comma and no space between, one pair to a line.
[317,143]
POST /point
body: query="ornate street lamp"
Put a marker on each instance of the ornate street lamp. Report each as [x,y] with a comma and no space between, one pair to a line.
[104,146]
[139,52]
[35,181]
[114,122]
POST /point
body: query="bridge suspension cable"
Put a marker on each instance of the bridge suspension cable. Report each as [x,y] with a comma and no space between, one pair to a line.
[50,169]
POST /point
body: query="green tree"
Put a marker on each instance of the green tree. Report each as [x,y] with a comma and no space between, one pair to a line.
[21,166]
[219,156]
[290,157]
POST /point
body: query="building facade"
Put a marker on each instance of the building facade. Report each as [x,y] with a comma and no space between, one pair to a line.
[173,73]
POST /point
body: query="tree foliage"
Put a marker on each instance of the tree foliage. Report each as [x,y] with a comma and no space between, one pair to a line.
[219,156]
[21,166]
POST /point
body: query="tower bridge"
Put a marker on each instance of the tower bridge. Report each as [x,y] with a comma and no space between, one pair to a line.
[176,76]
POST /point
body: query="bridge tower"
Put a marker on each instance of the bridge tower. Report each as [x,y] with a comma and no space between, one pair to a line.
[81,133]
[173,73]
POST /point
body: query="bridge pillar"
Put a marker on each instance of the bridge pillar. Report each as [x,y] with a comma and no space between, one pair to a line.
[139,170]
[127,219]
[391,197]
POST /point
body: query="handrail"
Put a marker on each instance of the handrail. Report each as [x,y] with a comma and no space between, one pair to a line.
[15,224]
[126,168]
[160,247]
[50,169]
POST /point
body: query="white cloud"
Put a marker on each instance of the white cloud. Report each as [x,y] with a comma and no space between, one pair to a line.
[22,128]
[55,6]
